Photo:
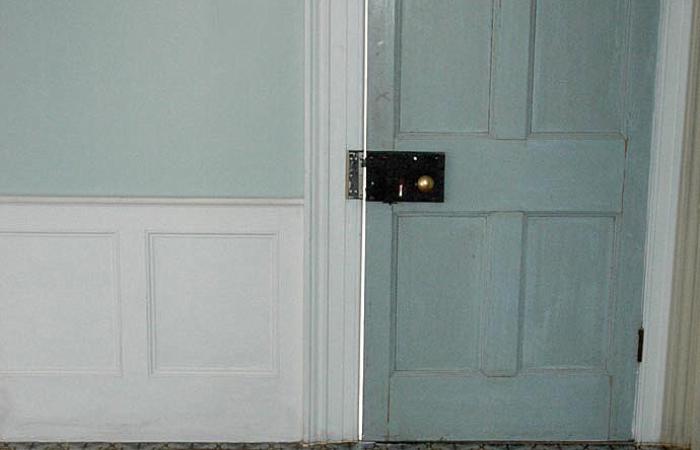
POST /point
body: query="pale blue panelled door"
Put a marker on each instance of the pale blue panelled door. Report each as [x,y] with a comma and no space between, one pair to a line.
[511,310]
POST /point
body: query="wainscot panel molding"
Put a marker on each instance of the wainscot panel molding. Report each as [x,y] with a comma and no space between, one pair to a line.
[151,320]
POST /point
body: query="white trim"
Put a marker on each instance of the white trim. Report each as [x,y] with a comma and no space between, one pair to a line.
[110,267]
[333,224]
[664,176]
[150,201]
[363,91]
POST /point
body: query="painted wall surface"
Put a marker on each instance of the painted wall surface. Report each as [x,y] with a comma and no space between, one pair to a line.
[152,98]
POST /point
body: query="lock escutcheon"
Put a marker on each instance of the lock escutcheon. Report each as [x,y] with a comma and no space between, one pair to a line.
[398,176]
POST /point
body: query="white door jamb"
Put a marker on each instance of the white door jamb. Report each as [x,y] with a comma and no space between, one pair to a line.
[334,82]
[664,181]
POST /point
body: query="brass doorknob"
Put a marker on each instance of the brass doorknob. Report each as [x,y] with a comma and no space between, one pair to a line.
[425,183]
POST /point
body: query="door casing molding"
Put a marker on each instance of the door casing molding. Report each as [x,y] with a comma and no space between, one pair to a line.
[334,114]
[662,204]
[681,419]
[333,224]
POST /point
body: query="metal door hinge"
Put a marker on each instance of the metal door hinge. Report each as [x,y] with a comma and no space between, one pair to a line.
[353,175]
[640,344]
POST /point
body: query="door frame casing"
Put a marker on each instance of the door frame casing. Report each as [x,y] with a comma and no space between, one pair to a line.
[672,65]
[681,420]
[333,232]
[334,44]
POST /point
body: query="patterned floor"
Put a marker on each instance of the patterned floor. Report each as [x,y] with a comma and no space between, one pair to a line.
[334,446]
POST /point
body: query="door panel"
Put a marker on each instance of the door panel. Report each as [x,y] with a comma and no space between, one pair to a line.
[441,91]
[510,310]
[440,279]
[578,72]
[500,333]
[567,292]
[529,407]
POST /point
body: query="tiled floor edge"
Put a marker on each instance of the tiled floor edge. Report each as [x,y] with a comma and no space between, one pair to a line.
[441,445]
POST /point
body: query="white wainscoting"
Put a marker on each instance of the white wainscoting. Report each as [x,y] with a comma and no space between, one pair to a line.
[151,320]
[60,307]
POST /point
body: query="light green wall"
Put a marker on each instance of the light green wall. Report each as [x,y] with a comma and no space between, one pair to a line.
[152,97]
